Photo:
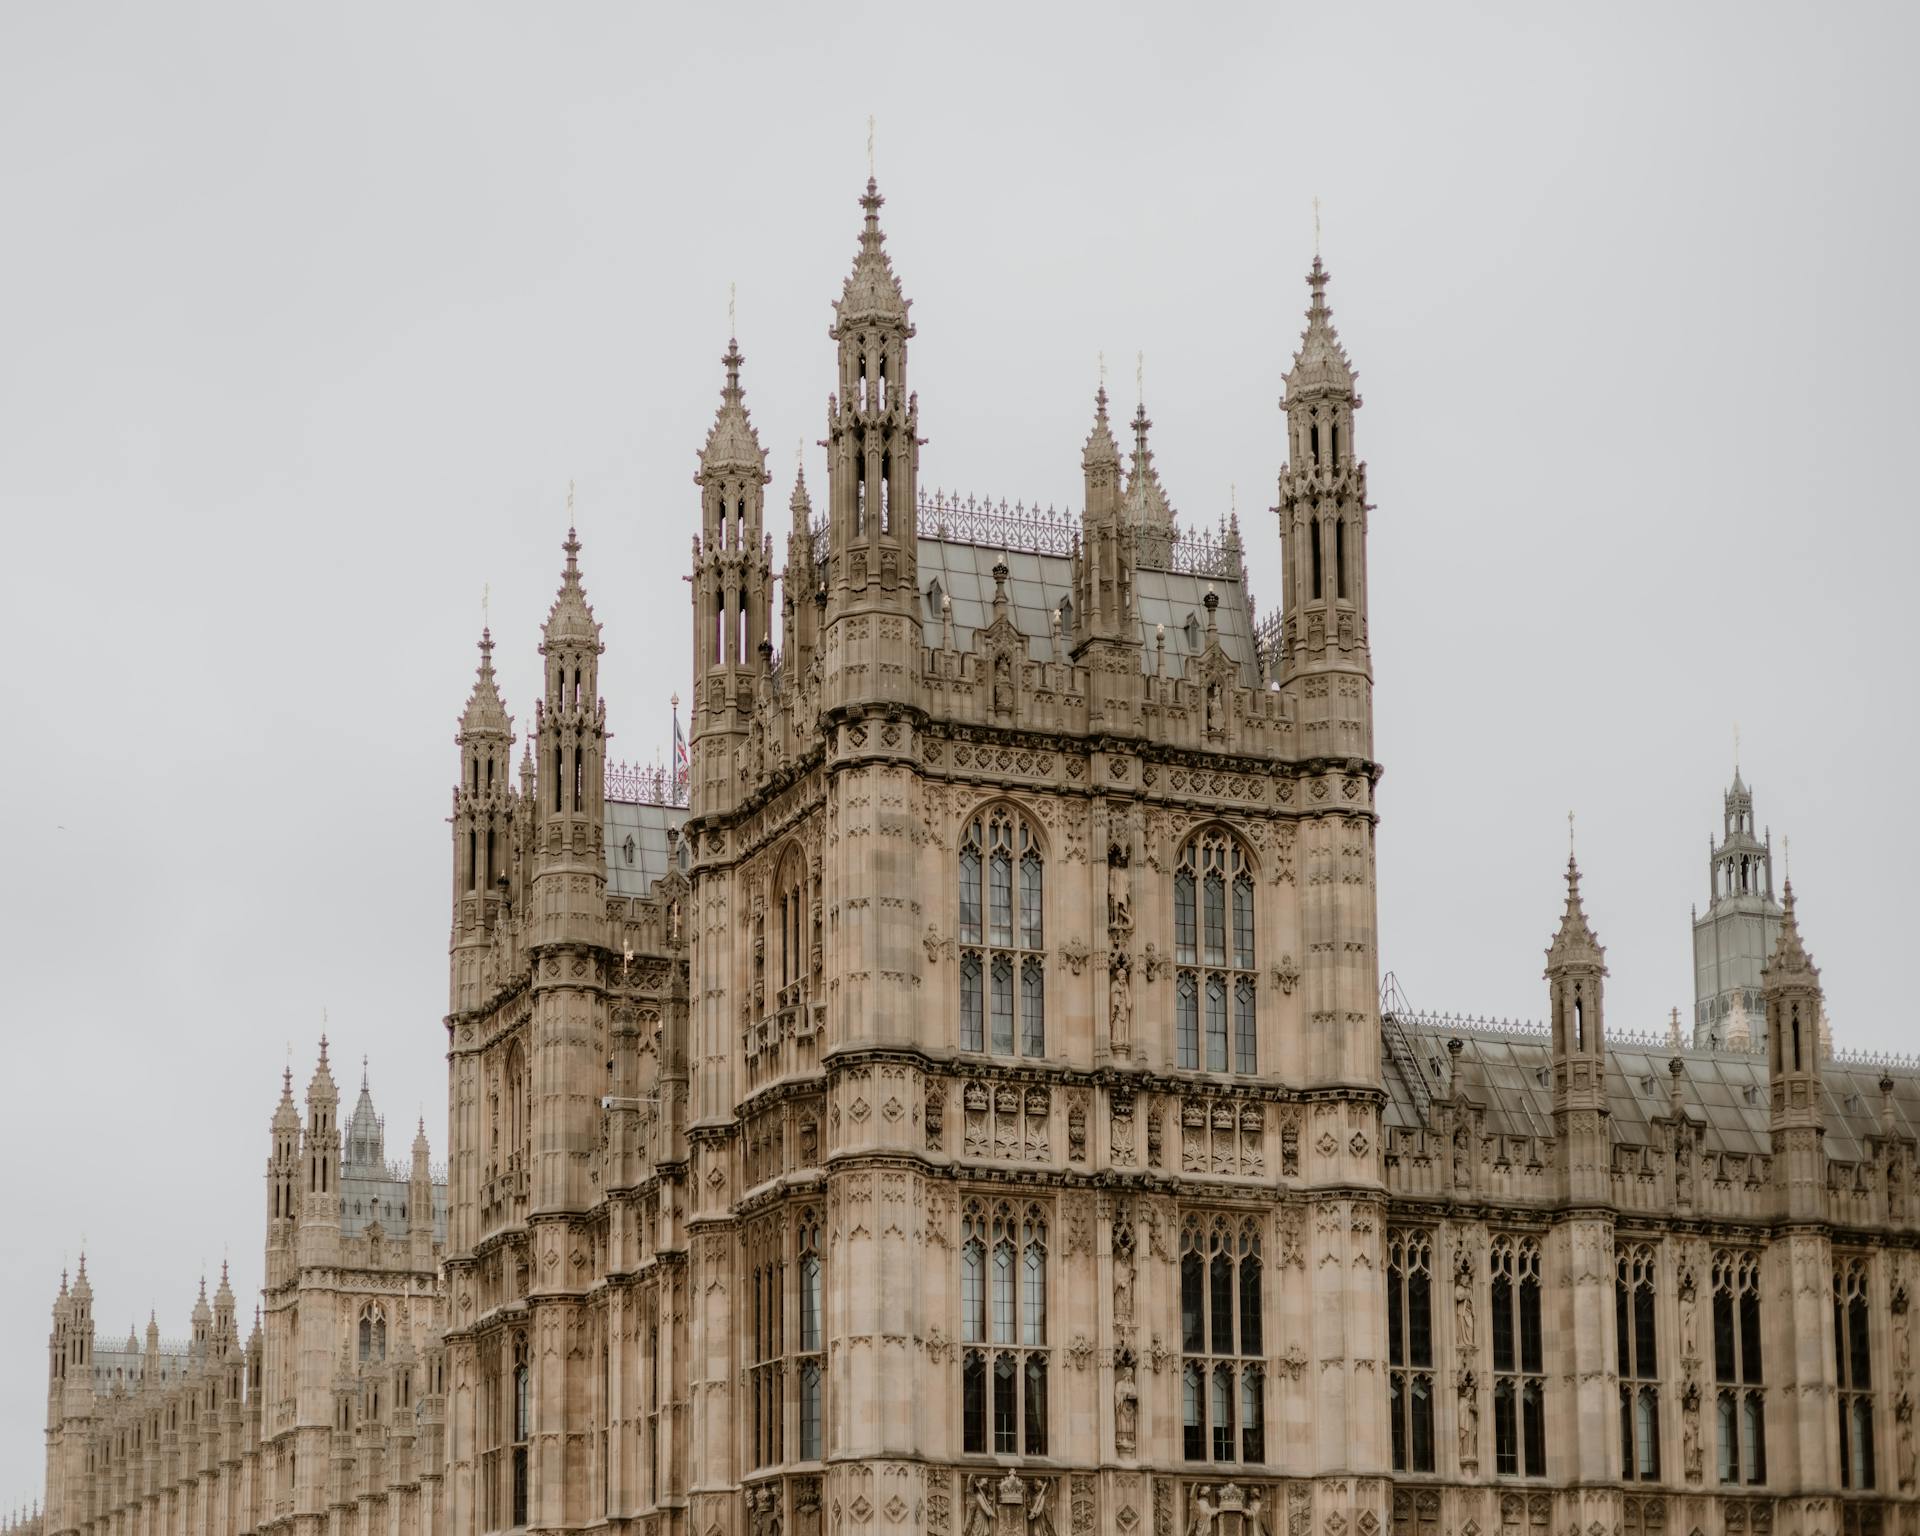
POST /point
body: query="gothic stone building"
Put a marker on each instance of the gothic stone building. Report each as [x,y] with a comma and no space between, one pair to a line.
[327,1417]
[975,1115]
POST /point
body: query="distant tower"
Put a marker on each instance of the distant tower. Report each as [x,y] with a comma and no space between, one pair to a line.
[1323,535]
[732,591]
[482,825]
[1734,936]
[283,1184]
[1576,974]
[873,456]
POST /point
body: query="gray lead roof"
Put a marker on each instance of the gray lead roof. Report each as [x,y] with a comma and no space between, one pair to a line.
[1724,1092]
[1038,583]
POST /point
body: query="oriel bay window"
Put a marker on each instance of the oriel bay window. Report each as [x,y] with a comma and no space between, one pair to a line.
[1222,1341]
[1002,937]
[1740,1407]
[1633,1293]
[1003,1330]
[1519,1365]
[1410,1348]
[1215,1019]
[1853,1368]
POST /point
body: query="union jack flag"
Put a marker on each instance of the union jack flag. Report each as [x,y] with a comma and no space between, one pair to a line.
[682,764]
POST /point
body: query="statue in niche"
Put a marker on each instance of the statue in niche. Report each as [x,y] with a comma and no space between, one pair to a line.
[1463,1304]
[1469,1426]
[1119,898]
[1461,1174]
[1120,1005]
[1200,1517]
[1002,682]
[1123,1287]
[1257,1521]
[1215,705]
[1126,1405]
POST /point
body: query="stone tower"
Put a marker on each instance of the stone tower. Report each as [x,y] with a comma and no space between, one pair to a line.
[1734,936]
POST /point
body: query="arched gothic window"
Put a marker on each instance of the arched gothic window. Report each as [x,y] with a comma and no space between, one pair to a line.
[1216,1018]
[1740,1411]
[373,1333]
[1410,1348]
[1002,937]
[1853,1366]
[1519,1366]
[1635,1278]
[813,1366]
[522,1410]
[1003,1326]
[1223,1384]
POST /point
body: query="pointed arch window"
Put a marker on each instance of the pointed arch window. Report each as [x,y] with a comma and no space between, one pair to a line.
[522,1427]
[1313,531]
[1410,1348]
[1223,1383]
[1002,936]
[1635,1278]
[1003,1324]
[1519,1365]
[1740,1410]
[1216,1014]
[1853,1367]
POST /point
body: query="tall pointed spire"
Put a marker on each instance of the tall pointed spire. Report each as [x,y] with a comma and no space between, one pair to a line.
[1575,941]
[732,442]
[570,621]
[1321,364]
[872,290]
[486,711]
[1146,499]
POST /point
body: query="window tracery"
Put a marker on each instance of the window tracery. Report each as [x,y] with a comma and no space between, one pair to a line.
[1002,936]
[1216,1019]
[1003,1329]
[1222,1339]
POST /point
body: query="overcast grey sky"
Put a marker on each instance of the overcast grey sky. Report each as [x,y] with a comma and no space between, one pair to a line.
[311,313]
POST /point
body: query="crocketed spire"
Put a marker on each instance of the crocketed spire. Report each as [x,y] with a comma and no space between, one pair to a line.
[1321,365]
[286,1114]
[1575,943]
[321,1087]
[872,291]
[571,621]
[1790,962]
[732,442]
[1146,499]
[1101,452]
[486,711]
[801,504]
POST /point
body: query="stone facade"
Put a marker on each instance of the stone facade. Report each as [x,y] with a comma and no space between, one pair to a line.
[327,1417]
[974,1113]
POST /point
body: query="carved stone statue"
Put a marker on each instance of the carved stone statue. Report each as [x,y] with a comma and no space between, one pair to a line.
[1126,1407]
[1257,1521]
[1123,1288]
[1119,894]
[979,1507]
[1120,1005]
[1690,1456]
[1903,1455]
[1039,1517]
[1201,1513]
[1002,682]
[1463,1305]
[1469,1425]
